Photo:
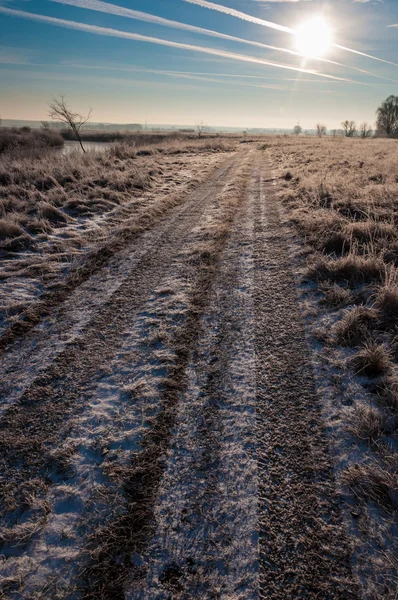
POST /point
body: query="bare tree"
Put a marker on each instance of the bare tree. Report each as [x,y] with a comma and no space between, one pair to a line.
[365,130]
[200,127]
[349,128]
[45,125]
[60,111]
[387,117]
[297,129]
[321,129]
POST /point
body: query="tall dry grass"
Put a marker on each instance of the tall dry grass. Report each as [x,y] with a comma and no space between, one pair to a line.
[341,194]
[58,211]
[15,141]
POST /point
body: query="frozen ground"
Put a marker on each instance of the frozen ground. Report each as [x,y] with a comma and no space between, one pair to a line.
[161,436]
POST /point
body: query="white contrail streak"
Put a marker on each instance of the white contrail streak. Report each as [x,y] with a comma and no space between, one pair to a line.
[210,76]
[143,38]
[240,15]
[387,62]
[113,9]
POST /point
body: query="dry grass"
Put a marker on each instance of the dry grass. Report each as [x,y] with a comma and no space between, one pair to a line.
[335,295]
[372,360]
[342,198]
[355,325]
[367,423]
[25,140]
[380,484]
[352,269]
[55,210]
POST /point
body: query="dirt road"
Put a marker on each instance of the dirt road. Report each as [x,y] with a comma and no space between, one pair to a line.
[160,433]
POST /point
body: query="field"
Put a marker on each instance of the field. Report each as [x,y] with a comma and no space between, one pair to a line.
[199,393]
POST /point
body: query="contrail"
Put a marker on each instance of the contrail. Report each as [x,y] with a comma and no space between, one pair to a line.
[210,76]
[113,9]
[388,62]
[143,38]
[240,15]
[106,7]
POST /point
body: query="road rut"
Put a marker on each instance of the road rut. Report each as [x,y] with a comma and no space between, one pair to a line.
[176,441]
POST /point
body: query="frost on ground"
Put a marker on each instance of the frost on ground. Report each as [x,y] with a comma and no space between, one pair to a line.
[206,514]
[341,196]
[123,405]
[160,434]
[56,210]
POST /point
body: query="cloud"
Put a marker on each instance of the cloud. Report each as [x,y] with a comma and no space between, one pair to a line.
[142,38]
[273,1]
[13,56]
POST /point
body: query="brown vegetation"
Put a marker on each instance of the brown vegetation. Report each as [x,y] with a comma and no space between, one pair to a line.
[58,212]
[341,196]
[15,141]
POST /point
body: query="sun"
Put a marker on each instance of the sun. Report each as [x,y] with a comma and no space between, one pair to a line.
[314,38]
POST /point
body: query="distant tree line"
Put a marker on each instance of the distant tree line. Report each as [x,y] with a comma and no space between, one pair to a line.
[386,124]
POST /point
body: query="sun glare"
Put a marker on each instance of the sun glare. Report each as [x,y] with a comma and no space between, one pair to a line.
[314,38]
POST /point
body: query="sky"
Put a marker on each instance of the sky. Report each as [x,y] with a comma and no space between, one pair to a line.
[232,63]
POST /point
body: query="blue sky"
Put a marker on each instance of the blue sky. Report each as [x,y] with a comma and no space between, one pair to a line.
[100,56]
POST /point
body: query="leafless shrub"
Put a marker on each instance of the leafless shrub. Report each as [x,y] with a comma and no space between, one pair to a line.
[365,130]
[60,111]
[19,141]
[200,127]
[349,128]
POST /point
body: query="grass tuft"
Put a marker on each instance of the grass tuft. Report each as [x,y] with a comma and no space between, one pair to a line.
[372,360]
[353,269]
[355,326]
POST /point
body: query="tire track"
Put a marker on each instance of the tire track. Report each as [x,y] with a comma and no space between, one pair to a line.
[205,543]
[304,550]
[130,534]
[29,357]
[97,258]
[36,425]
[229,489]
